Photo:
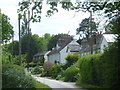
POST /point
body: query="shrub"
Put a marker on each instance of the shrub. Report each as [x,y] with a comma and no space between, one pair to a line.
[6,57]
[90,71]
[101,69]
[16,60]
[47,66]
[70,73]
[43,74]
[111,67]
[59,77]
[71,59]
[37,70]
[32,64]
[14,76]
[55,70]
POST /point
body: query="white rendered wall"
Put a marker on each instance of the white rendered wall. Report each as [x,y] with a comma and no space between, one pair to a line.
[103,45]
[53,57]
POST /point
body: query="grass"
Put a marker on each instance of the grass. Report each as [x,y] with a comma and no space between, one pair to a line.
[87,85]
[41,85]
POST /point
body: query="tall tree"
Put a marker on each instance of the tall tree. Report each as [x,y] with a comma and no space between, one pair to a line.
[84,28]
[88,29]
[7,29]
[0,29]
[13,48]
[53,41]
[37,44]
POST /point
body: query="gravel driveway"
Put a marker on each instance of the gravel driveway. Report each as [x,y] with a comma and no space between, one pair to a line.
[55,84]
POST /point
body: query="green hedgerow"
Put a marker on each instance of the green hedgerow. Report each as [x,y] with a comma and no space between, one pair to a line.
[90,71]
[70,73]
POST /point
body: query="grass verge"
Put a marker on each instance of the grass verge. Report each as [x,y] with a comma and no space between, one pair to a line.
[87,85]
[41,85]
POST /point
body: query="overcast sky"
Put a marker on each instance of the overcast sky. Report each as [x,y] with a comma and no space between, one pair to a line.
[61,22]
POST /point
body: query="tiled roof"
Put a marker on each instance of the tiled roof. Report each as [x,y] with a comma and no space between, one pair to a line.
[108,37]
[74,48]
[61,43]
[88,49]
[56,50]
[40,53]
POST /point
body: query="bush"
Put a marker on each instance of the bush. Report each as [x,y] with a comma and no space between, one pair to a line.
[90,71]
[43,74]
[47,66]
[14,76]
[6,57]
[37,70]
[101,69]
[70,73]
[71,59]
[111,67]
[60,77]
[55,70]
[32,64]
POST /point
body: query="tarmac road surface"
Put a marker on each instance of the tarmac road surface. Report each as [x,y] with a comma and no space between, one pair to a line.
[55,84]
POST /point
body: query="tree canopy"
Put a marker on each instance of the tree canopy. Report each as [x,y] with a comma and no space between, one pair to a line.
[7,28]
[84,28]
[54,40]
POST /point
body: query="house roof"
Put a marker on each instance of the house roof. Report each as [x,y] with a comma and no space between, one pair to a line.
[109,37]
[74,48]
[40,53]
[88,49]
[57,50]
[61,43]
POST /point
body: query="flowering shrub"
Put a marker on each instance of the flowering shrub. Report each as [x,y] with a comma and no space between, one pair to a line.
[47,66]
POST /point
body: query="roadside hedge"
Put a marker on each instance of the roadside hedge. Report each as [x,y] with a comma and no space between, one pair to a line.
[111,67]
[70,74]
[90,69]
[101,69]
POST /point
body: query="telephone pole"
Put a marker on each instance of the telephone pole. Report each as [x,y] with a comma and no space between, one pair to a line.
[28,24]
[91,36]
[19,39]
[12,43]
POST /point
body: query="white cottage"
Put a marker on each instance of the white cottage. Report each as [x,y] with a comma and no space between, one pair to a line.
[64,47]
[41,56]
[106,40]
[100,43]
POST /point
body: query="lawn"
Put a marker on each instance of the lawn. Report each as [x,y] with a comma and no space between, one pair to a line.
[41,85]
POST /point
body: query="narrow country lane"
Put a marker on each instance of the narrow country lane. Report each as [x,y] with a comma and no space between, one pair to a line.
[57,84]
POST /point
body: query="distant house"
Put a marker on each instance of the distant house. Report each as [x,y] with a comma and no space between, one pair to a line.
[100,42]
[71,49]
[106,40]
[64,47]
[41,56]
